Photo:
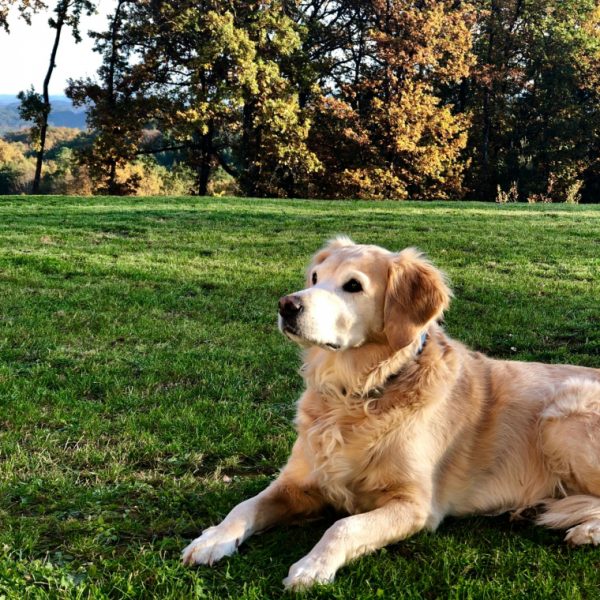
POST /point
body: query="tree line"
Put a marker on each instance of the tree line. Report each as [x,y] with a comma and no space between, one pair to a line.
[426,99]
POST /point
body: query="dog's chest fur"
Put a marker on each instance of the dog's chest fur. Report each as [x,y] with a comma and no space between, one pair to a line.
[358,457]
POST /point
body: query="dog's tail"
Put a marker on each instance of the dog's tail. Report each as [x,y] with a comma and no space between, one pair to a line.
[567,512]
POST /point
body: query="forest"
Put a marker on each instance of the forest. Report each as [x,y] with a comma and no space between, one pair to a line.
[495,100]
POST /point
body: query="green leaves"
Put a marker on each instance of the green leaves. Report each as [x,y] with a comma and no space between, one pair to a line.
[26,8]
[33,109]
[535,98]
[323,98]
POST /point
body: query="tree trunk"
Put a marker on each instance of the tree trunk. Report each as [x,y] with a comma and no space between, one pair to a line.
[203,178]
[206,158]
[249,176]
[110,91]
[288,182]
[495,20]
[112,178]
[60,21]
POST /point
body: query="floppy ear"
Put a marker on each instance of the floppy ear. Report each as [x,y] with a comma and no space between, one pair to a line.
[416,294]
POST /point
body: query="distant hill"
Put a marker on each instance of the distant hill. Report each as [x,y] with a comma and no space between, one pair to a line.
[63,114]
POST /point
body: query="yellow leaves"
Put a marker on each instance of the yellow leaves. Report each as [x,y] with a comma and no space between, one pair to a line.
[284,134]
[414,143]
[218,55]
[150,178]
[276,31]
[284,128]
[196,115]
[432,41]
[11,153]
[268,78]
[225,36]
[589,61]
[374,183]
[403,141]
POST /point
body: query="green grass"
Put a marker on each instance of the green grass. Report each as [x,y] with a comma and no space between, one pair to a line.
[144,388]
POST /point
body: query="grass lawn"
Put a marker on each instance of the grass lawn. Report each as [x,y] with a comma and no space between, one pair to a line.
[145,389]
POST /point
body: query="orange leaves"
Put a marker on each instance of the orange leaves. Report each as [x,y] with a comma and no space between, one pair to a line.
[390,134]
[426,39]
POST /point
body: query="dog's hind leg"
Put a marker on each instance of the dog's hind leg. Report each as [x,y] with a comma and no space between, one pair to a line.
[579,513]
[570,439]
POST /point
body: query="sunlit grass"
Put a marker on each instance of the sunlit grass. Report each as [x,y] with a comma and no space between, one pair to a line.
[144,389]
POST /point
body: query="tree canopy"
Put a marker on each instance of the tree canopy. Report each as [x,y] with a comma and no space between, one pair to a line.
[427,99]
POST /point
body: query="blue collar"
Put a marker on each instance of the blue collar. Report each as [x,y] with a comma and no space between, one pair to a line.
[424,336]
[379,391]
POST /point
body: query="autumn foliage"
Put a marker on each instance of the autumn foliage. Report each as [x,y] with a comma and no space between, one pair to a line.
[428,99]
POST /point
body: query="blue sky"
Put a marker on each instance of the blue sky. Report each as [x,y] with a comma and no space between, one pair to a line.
[26,50]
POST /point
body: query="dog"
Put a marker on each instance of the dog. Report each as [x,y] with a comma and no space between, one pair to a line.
[400,425]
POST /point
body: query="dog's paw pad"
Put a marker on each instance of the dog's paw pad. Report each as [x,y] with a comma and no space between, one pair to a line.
[209,548]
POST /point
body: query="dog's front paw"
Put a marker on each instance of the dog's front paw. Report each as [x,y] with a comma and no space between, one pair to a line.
[309,571]
[210,547]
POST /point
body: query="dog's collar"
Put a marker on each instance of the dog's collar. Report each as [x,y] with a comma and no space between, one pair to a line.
[378,391]
[424,337]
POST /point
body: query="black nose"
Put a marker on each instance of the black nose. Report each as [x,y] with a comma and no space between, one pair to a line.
[290,306]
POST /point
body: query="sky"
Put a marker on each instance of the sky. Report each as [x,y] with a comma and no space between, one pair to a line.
[25,52]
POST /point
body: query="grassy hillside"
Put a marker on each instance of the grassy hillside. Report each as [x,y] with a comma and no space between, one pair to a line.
[144,388]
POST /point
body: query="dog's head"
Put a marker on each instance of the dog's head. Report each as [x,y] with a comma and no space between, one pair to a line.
[357,294]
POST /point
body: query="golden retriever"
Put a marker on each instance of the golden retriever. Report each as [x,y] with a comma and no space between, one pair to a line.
[400,425]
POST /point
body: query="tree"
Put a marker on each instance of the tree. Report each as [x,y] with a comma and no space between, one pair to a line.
[194,63]
[214,72]
[557,121]
[272,149]
[16,169]
[35,107]
[26,9]
[392,132]
[117,109]
[535,97]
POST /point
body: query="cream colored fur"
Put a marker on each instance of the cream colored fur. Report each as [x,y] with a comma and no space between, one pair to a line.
[398,439]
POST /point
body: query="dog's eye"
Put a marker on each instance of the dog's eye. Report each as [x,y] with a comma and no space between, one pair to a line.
[352,286]
[314,278]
